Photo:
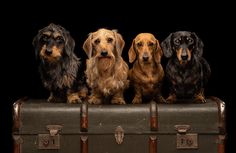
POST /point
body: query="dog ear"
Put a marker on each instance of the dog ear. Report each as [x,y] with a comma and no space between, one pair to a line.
[69,44]
[158,53]
[34,43]
[166,46]
[120,43]
[198,48]
[87,46]
[132,53]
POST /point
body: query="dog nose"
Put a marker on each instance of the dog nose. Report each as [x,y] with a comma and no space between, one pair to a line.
[48,52]
[104,53]
[184,57]
[145,57]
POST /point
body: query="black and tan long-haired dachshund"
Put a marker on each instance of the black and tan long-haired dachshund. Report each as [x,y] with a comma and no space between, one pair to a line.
[187,71]
[59,66]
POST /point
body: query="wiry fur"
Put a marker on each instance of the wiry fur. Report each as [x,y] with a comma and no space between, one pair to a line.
[147,73]
[59,66]
[106,71]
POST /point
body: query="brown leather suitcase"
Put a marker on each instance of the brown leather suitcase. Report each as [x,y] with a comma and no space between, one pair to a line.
[42,127]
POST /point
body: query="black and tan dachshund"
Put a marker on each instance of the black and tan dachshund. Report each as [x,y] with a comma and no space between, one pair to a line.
[187,71]
[59,66]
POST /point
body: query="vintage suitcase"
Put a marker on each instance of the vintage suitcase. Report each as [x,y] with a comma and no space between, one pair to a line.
[41,127]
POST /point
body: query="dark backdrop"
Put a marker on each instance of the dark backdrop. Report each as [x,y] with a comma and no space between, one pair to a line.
[19,68]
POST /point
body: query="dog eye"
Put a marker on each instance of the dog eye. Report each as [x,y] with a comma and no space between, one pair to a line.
[44,38]
[176,41]
[151,44]
[139,44]
[97,41]
[190,40]
[109,40]
[59,39]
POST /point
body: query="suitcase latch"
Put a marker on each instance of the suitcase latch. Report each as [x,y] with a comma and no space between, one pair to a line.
[51,140]
[185,140]
[119,134]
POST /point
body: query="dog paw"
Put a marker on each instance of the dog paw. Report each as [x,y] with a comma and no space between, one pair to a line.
[51,99]
[137,101]
[73,99]
[171,99]
[118,101]
[160,100]
[94,100]
[200,100]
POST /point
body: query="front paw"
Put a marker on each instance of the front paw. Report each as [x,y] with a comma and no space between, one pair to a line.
[200,100]
[171,99]
[160,99]
[94,100]
[73,98]
[118,101]
[137,100]
[51,99]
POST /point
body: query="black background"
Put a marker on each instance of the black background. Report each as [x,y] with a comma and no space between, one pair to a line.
[19,74]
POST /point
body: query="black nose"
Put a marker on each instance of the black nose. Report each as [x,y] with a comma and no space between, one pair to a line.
[48,52]
[184,57]
[145,57]
[104,53]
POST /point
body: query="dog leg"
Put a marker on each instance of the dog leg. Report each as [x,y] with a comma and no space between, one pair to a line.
[171,99]
[137,98]
[56,96]
[118,98]
[199,97]
[159,99]
[83,93]
[51,98]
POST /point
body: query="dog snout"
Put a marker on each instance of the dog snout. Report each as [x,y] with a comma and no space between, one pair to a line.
[184,57]
[48,51]
[145,57]
[104,53]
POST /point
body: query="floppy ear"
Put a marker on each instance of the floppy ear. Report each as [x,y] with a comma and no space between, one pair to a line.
[120,43]
[69,44]
[87,46]
[166,46]
[132,53]
[198,48]
[35,45]
[158,53]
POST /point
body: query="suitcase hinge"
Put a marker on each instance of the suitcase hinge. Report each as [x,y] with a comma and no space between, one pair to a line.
[119,134]
[51,140]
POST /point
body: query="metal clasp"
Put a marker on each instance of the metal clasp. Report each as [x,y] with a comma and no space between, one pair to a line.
[54,129]
[51,140]
[185,140]
[119,134]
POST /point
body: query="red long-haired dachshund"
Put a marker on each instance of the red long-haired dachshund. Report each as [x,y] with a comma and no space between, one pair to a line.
[147,73]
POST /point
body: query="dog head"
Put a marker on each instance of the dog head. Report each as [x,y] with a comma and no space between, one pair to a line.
[52,43]
[184,45]
[104,45]
[147,49]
